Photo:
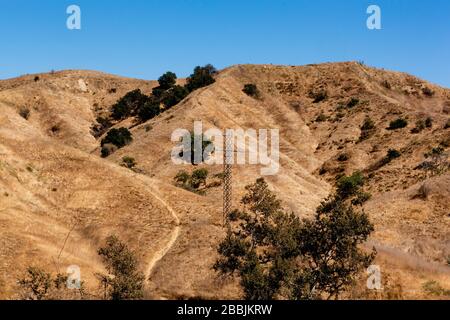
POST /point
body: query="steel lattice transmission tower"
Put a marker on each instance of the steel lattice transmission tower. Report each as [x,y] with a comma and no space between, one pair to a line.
[227,175]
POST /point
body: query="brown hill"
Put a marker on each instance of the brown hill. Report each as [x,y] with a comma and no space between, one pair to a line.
[59,199]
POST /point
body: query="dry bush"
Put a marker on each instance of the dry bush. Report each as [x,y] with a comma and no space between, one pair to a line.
[38,284]
[24,113]
[423,192]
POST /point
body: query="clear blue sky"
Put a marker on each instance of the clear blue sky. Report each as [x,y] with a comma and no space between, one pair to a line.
[144,38]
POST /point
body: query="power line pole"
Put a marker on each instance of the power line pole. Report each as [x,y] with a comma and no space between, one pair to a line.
[227,176]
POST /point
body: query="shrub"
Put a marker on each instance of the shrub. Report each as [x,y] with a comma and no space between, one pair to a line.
[37,284]
[423,192]
[173,96]
[368,124]
[445,142]
[128,105]
[386,84]
[118,137]
[157,92]
[167,80]
[436,163]
[367,129]
[420,126]
[348,186]
[399,123]
[361,198]
[343,157]
[202,77]
[435,289]
[124,281]
[318,96]
[429,122]
[427,91]
[100,128]
[55,128]
[321,117]
[182,177]
[128,162]
[149,110]
[434,152]
[393,154]
[192,182]
[205,143]
[107,149]
[198,178]
[447,124]
[251,90]
[24,113]
[352,103]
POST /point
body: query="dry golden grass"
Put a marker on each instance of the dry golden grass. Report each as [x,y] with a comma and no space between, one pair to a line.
[54,185]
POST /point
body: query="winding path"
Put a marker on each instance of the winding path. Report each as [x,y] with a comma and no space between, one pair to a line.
[158,255]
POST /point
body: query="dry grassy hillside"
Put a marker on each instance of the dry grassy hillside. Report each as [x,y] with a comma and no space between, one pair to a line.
[54,185]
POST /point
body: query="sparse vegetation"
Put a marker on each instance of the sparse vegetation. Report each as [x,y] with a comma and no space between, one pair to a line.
[182,178]
[203,143]
[367,129]
[321,117]
[251,90]
[37,284]
[198,178]
[447,124]
[124,281]
[435,289]
[368,124]
[318,96]
[361,198]
[390,156]
[278,256]
[399,123]
[436,162]
[420,126]
[197,181]
[168,94]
